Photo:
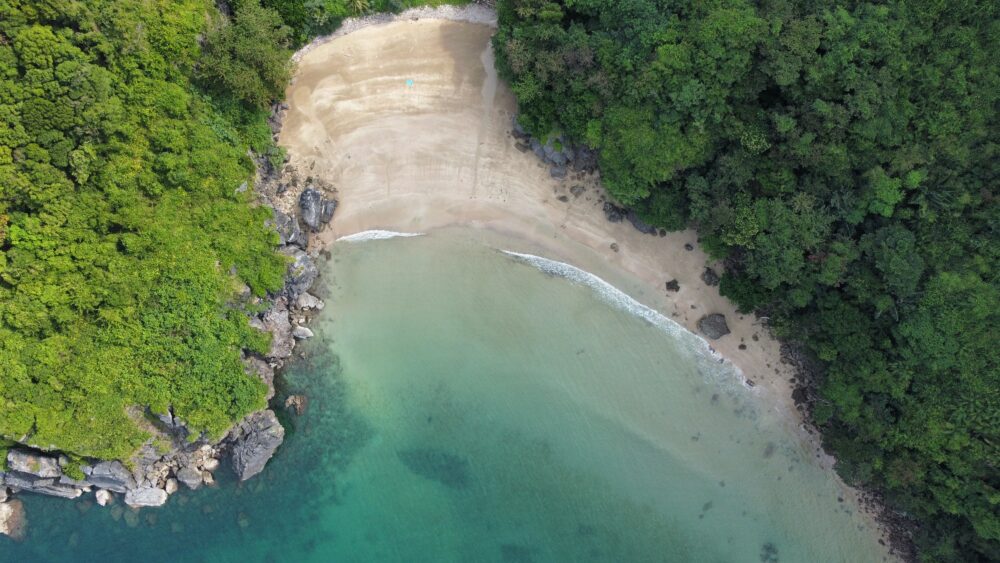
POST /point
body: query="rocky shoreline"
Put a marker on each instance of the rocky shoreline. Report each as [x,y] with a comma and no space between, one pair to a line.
[169,459]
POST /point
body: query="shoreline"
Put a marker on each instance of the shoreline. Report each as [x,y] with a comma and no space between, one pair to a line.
[441,152]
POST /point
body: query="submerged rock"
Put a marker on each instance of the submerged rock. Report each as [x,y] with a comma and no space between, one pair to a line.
[443,467]
[12,521]
[145,496]
[254,440]
[298,403]
[713,326]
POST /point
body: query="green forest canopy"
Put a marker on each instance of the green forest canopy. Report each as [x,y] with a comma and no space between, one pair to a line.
[843,158]
[122,235]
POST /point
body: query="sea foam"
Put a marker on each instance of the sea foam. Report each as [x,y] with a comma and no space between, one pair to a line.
[375,235]
[624,302]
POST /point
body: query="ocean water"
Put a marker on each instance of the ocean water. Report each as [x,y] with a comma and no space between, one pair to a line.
[467,404]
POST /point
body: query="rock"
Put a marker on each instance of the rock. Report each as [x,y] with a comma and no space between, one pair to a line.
[310,204]
[255,439]
[131,518]
[104,497]
[33,464]
[289,231]
[308,301]
[639,224]
[275,321]
[206,478]
[523,147]
[673,285]
[110,475]
[3,490]
[326,214]
[170,486]
[613,213]
[577,191]
[302,333]
[145,496]
[713,326]
[242,188]
[536,147]
[519,131]
[190,476]
[263,370]
[211,464]
[12,521]
[302,272]
[689,247]
[710,277]
[297,403]
[558,171]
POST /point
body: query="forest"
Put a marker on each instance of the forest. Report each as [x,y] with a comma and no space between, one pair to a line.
[842,158]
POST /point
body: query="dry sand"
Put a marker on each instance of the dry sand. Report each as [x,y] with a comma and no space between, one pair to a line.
[437,152]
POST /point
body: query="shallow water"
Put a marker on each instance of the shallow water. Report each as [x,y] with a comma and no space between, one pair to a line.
[466,406]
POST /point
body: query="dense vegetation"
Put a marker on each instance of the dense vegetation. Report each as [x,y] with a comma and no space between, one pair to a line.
[843,158]
[124,240]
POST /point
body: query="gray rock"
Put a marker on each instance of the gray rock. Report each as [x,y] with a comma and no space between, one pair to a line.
[519,130]
[302,333]
[145,496]
[311,206]
[613,213]
[557,171]
[639,224]
[103,497]
[308,301]
[190,476]
[536,147]
[710,277]
[263,370]
[255,439]
[326,214]
[289,230]
[42,485]
[3,493]
[110,475]
[29,463]
[276,321]
[302,272]
[713,326]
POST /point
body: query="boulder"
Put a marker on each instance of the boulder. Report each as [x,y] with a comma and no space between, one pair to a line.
[29,463]
[308,301]
[254,440]
[12,520]
[3,490]
[713,326]
[170,486]
[673,285]
[558,171]
[104,497]
[302,333]
[145,496]
[311,206]
[302,272]
[326,213]
[710,277]
[42,485]
[289,231]
[639,224]
[190,476]
[110,475]
[613,213]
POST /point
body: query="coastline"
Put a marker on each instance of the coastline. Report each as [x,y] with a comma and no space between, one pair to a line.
[439,151]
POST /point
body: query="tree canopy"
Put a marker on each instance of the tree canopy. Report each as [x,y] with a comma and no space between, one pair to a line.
[123,238]
[843,159]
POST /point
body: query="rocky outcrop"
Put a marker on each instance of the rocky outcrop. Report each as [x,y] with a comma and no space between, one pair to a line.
[557,151]
[254,441]
[639,224]
[145,496]
[110,475]
[38,473]
[316,209]
[713,326]
[275,320]
[302,272]
[289,231]
[613,213]
[29,463]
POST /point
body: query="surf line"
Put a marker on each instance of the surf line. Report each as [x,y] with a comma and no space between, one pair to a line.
[622,301]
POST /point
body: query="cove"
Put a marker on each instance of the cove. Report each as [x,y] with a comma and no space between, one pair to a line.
[465,405]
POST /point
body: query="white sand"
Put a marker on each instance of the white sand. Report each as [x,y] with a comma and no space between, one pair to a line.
[437,152]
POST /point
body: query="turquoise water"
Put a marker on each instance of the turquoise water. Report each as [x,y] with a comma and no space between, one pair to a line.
[466,406]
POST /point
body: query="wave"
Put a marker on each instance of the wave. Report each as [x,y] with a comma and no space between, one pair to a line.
[624,302]
[375,235]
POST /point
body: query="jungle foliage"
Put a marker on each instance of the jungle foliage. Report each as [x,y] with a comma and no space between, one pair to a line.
[843,158]
[124,240]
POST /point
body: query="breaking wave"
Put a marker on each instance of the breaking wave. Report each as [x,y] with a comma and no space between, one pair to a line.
[622,301]
[375,235]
